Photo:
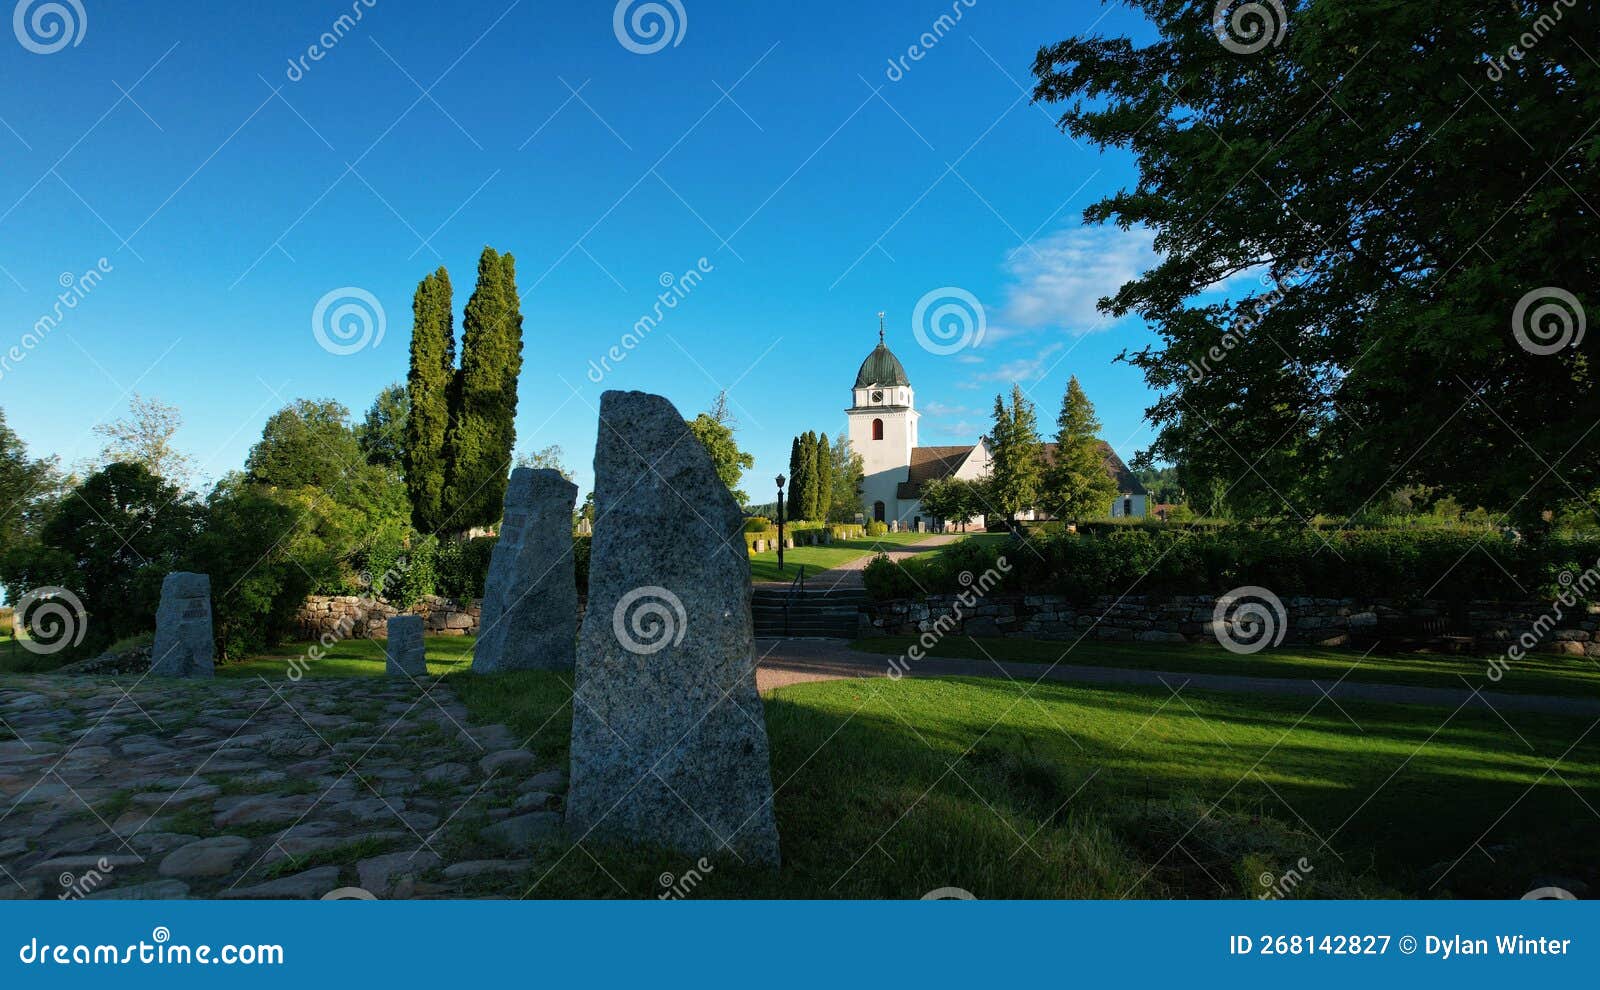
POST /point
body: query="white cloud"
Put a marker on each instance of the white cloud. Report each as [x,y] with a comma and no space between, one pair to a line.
[1057,281]
[1024,369]
[943,411]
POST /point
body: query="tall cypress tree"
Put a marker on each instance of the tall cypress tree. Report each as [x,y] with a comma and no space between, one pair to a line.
[824,477]
[810,492]
[482,431]
[429,384]
[796,479]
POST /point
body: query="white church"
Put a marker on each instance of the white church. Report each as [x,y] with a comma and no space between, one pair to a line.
[883,430]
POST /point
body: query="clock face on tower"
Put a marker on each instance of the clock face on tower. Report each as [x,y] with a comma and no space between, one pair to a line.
[877,396]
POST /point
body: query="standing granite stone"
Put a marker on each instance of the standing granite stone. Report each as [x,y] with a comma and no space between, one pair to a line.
[530,600]
[183,628]
[669,740]
[404,653]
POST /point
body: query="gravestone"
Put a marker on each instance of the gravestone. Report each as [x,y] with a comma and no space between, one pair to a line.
[530,599]
[669,741]
[183,642]
[404,654]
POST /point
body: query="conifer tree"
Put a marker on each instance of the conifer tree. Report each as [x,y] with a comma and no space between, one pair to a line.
[1077,486]
[824,478]
[1017,453]
[429,384]
[482,431]
[810,491]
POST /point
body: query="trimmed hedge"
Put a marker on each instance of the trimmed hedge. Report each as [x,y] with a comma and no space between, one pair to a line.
[1405,565]
[802,533]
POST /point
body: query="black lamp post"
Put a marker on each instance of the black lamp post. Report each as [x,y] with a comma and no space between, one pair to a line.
[780,523]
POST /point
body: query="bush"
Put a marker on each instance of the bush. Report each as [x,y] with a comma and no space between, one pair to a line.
[462,566]
[876,528]
[757,524]
[1404,565]
[580,561]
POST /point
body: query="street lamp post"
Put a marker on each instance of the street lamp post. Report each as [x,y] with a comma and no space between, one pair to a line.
[780,523]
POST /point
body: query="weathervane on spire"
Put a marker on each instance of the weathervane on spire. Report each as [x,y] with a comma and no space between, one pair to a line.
[881,317]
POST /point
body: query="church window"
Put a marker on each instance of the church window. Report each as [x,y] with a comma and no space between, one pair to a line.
[877,429]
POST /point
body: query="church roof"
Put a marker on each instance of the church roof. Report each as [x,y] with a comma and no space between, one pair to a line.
[930,463]
[881,368]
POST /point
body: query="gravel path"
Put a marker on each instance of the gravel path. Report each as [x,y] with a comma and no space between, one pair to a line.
[119,788]
[797,661]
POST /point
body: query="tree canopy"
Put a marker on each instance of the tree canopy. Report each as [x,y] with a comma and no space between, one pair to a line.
[1397,201]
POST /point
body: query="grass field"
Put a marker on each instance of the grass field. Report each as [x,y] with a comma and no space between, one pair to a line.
[1569,676]
[764,566]
[892,789]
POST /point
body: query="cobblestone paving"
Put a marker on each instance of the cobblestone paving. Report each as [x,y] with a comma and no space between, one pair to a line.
[121,788]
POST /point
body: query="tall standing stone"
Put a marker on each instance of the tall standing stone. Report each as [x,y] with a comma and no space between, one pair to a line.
[530,600]
[669,741]
[404,654]
[183,646]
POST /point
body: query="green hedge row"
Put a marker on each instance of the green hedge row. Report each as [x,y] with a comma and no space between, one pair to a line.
[1406,565]
[802,533]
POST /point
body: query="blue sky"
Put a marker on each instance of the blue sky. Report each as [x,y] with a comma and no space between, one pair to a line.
[228,199]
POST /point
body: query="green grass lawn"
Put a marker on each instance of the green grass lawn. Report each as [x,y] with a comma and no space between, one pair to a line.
[1570,676]
[348,658]
[895,788]
[764,566]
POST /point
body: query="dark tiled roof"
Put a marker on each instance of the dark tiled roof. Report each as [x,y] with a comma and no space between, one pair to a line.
[928,463]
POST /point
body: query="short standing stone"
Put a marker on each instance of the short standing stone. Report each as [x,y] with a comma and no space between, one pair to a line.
[183,628]
[530,600]
[405,655]
[669,741]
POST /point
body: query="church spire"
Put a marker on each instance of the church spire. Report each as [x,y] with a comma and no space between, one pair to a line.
[881,317]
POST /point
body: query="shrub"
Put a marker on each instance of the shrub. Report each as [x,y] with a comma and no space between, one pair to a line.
[462,566]
[757,524]
[1405,565]
[876,528]
[580,561]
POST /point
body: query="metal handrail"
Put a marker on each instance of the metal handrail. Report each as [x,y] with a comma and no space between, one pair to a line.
[799,583]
